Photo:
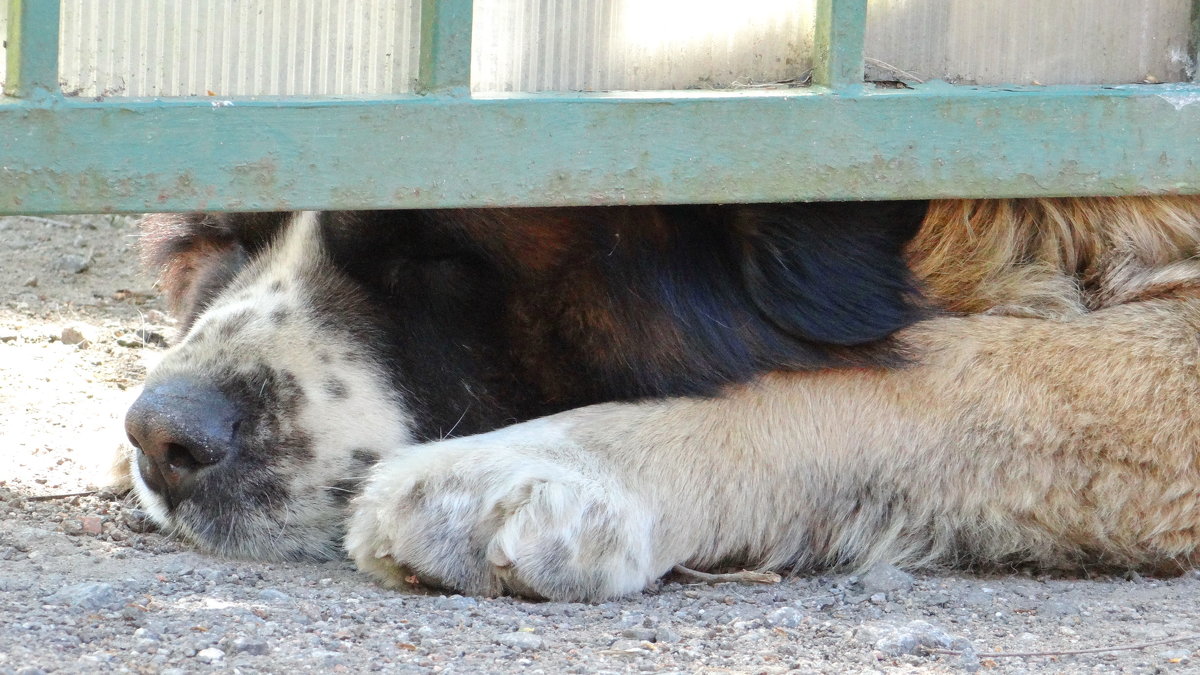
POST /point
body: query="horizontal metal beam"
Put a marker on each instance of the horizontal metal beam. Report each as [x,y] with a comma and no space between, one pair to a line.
[749,146]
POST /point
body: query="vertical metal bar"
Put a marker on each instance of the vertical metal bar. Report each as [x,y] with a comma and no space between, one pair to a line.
[841,27]
[1194,47]
[445,46]
[32,48]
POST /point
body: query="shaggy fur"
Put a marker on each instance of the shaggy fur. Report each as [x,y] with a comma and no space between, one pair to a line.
[1056,258]
[313,344]
[1046,417]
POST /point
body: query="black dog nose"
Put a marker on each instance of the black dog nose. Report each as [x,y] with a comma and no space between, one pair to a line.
[180,427]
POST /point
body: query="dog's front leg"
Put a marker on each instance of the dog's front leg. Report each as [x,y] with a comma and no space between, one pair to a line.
[590,504]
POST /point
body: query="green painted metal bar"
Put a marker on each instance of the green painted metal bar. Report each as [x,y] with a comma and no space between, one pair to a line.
[1194,47]
[445,46]
[935,140]
[840,33]
[32,51]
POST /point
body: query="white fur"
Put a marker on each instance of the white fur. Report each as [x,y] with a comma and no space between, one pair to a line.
[1063,443]
[521,509]
[156,507]
[237,335]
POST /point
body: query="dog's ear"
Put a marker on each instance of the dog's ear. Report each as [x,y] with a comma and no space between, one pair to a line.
[832,272]
[179,249]
[194,255]
[683,300]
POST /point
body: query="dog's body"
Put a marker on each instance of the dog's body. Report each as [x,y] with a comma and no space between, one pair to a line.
[1015,440]
[1054,426]
[315,344]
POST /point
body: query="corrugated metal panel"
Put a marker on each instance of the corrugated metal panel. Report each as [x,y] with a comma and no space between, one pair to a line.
[1027,41]
[315,47]
[590,45]
[3,41]
[539,45]
[238,48]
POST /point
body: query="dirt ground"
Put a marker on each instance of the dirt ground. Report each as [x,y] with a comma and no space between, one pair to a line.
[87,586]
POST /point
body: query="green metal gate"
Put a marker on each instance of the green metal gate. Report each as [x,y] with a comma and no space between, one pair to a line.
[445,147]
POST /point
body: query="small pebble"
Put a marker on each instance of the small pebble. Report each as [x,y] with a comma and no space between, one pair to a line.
[633,619]
[273,595]
[883,578]
[250,646]
[147,646]
[92,525]
[73,263]
[138,520]
[325,657]
[666,635]
[645,634]
[784,617]
[146,634]
[521,640]
[915,637]
[210,655]
[87,596]
[456,602]
[78,334]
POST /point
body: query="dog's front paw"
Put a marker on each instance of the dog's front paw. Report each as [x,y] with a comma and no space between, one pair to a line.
[495,513]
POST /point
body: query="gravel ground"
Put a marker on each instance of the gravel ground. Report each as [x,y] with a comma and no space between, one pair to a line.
[86,586]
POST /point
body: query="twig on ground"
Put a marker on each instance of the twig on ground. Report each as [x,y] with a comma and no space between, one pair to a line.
[47,221]
[1072,652]
[46,498]
[744,576]
[893,69]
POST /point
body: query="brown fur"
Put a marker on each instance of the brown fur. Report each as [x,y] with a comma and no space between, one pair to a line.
[1048,416]
[383,329]
[1054,423]
[1056,258]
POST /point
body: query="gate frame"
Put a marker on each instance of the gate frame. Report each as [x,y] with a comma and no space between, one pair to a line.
[443,146]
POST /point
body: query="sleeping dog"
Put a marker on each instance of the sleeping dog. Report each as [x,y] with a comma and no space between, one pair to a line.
[567,403]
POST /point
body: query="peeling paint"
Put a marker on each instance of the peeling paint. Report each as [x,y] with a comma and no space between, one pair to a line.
[1181,100]
[939,141]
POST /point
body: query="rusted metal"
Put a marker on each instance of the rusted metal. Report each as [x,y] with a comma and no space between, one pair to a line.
[411,151]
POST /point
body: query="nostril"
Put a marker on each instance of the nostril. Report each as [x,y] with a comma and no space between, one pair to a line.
[181,459]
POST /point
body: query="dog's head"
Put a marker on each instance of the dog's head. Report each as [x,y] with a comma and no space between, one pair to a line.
[312,344]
